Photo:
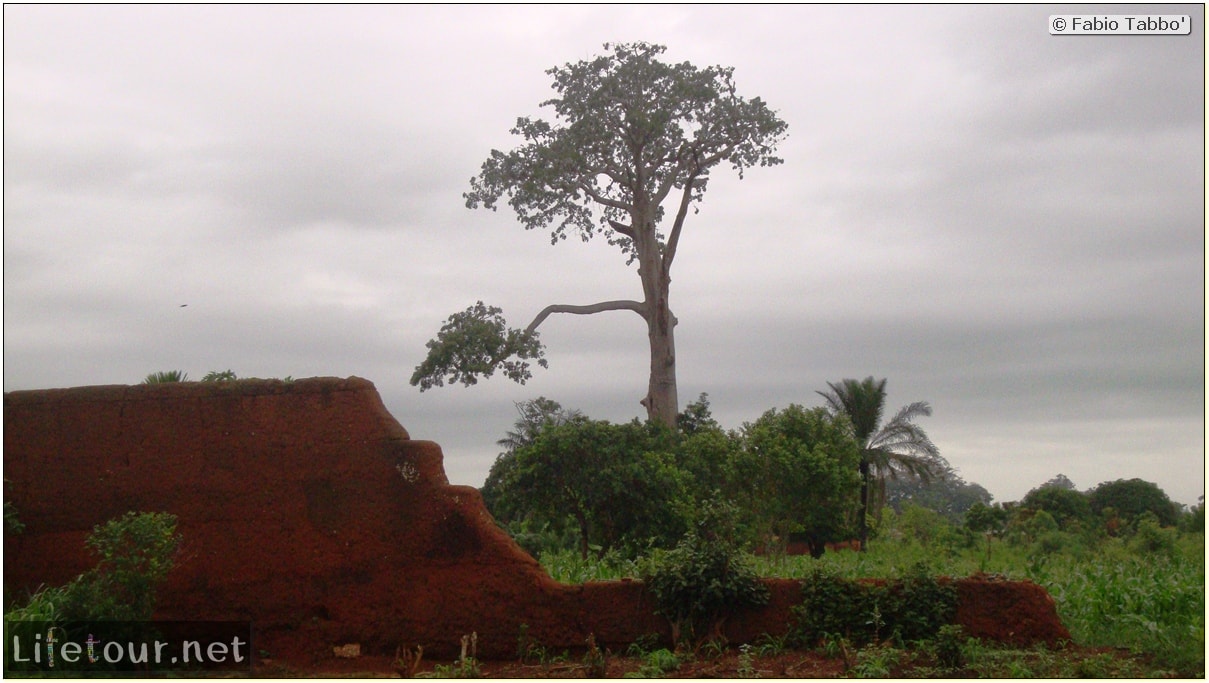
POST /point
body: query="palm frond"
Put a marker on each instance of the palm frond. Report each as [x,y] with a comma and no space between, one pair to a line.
[166,376]
[862,401]
[900,448]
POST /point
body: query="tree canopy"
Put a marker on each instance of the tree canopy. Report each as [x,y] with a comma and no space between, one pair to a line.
[946,493]
[799,469]
[1066,506]
[637,485]
[1131,498]
[618,482]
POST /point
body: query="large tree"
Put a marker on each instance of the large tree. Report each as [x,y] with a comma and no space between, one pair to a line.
[1131,498]
[899,447]
[799,468]
[1066,506]
[619,482]
[630,133]
[947,493]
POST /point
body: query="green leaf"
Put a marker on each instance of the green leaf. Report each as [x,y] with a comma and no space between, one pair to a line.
[475,343]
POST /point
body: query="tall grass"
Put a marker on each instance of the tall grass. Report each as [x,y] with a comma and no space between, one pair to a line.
[567,566]
[1153,604]
[1107,595]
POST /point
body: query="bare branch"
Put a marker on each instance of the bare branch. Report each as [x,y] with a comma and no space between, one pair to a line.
[621,305]
[603,200]
[719,156]
[666,187]
[613,174]
[673,239]
[627,230]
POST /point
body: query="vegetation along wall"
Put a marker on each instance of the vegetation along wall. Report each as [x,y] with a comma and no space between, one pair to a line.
[307,509]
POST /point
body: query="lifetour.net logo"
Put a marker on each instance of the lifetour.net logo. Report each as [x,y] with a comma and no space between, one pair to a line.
[102,647]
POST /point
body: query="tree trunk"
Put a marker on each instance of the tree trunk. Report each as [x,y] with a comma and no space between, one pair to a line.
[864,536]
[661,402]
[582,519]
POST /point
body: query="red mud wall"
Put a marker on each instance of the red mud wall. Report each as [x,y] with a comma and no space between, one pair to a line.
[307,509]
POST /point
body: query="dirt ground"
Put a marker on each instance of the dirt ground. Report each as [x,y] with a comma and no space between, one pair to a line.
[787,665]
[730,664]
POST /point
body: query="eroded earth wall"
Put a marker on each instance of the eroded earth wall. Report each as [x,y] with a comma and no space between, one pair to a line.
[308,510]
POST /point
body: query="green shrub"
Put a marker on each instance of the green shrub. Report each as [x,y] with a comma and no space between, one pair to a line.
[911,608]
[950,646]
[705,577]
[832,606]
[1051,542]
[12,521]
[137,551]
[919,604]
[1150,537]
[876,661]
[656,665]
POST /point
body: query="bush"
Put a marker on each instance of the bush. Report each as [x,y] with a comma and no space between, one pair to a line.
[1051,542]
[911,608]
[1150,537]
[705,577]
[12,521]
[137,551]
[831,606]
[950,646]
[617,483]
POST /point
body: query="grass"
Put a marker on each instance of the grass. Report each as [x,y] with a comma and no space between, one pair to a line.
[567,566]
[1149,605]
[1109,595]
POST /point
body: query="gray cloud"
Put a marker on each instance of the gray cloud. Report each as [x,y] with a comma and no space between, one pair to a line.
[1005,223]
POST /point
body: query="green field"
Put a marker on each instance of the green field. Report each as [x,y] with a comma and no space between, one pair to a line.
[1111,593]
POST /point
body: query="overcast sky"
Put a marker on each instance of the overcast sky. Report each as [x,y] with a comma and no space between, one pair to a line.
[1007,224]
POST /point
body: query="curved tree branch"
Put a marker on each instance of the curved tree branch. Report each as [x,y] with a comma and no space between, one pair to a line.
[603,200]
[620,305]
[622,228]
[674,239]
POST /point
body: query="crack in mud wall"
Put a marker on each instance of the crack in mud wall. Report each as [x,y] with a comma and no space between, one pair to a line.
[306,508]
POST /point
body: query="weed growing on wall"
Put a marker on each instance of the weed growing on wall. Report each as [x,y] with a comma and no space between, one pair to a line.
[908,609]
[467,665]
[657,664]
[595,662]
[166,377]
[137,551]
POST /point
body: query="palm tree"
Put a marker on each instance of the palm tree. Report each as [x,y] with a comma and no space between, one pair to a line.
[166,376]
[900,447]
[535,415]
